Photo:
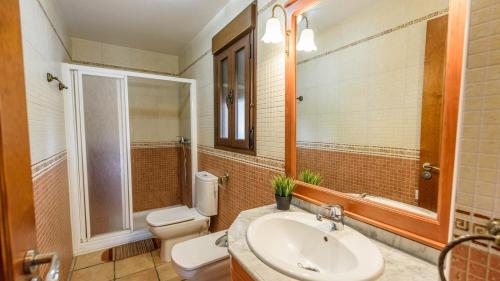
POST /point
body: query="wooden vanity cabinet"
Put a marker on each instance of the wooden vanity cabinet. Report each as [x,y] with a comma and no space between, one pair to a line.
[238,273]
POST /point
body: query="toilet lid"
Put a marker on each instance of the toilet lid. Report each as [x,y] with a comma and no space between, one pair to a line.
[170,216]
[198,252]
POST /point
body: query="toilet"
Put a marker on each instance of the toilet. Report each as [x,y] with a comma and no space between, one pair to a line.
[201,259]
[178,224]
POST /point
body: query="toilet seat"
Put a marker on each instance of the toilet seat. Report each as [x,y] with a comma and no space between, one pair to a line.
[170,216]
[198,252]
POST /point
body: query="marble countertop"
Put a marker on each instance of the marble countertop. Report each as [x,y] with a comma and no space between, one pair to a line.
[398,265]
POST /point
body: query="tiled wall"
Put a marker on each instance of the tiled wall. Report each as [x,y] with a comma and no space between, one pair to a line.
[154,110]
[478,186]
[108,55]
[43,52]
[197,63]
[250,176]
[51,193]
[155,175]
[248,185]
[364,84]
[392,177]
[157,116]
[362,101]
[45,46]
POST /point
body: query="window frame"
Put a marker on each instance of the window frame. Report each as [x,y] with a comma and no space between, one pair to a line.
[247,145]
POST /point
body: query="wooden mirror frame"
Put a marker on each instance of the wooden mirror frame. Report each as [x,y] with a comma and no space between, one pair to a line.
[429,231]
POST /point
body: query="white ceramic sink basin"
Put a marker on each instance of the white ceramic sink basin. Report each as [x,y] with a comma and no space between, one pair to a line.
[299,246]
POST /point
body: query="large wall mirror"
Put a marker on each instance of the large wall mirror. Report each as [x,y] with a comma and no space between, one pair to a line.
[375,99]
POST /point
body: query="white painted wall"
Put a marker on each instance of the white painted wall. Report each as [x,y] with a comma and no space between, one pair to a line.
[113,55]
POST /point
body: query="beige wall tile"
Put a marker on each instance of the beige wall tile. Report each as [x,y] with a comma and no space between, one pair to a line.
[377,97]
[480,193]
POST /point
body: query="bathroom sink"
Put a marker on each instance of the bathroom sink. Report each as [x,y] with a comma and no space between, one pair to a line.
[299,246]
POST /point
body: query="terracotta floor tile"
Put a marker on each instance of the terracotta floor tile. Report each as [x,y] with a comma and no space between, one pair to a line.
[167,273]
[134,264]
[146,275]
[101,272]
[156,258]
[87,260]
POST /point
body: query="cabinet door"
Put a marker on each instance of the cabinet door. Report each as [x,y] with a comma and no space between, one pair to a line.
[238,273]
[241,68]
[224,99]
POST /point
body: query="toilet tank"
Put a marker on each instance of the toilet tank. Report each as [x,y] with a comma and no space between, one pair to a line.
[206,193]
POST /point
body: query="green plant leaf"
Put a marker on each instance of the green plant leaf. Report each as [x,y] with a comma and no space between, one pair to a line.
[310,177]
[283,185]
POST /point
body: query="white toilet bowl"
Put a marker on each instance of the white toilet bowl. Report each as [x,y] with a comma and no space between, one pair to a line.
[200,259]
[175,225]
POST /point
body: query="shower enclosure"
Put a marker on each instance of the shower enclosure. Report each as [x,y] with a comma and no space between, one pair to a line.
[160,137]
[122,133]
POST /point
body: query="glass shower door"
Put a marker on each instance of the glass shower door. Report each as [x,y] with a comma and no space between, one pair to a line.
[104,158]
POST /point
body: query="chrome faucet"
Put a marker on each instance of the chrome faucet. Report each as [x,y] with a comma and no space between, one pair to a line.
[335,215]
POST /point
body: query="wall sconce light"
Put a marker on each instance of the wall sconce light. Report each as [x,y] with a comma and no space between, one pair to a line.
[273,32]
[306,39]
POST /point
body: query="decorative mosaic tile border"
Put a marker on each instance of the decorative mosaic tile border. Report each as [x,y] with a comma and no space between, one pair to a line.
[257,161]
[472,223]
[377,35]
[392,152]
[155,144]
[46,164]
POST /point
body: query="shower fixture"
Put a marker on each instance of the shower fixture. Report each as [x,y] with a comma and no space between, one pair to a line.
[183,140]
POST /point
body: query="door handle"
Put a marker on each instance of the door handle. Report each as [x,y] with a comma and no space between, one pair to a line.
[430,168]
[229,98]
[33,259]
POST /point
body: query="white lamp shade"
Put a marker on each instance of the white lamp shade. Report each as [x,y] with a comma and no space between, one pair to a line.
[306,41]
[273,31]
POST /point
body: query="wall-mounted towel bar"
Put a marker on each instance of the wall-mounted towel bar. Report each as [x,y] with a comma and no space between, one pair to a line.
[51,78]
[223,179]
[493,234]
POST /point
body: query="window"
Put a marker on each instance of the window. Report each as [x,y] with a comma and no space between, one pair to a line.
[234,92]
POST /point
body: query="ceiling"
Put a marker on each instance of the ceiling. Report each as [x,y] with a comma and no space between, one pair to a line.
[164,26]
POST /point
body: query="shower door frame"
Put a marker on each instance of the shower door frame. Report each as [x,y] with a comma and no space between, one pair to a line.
[82,241]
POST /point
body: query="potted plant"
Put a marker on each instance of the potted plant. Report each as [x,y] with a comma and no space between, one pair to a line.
[283,187]
[310,177]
